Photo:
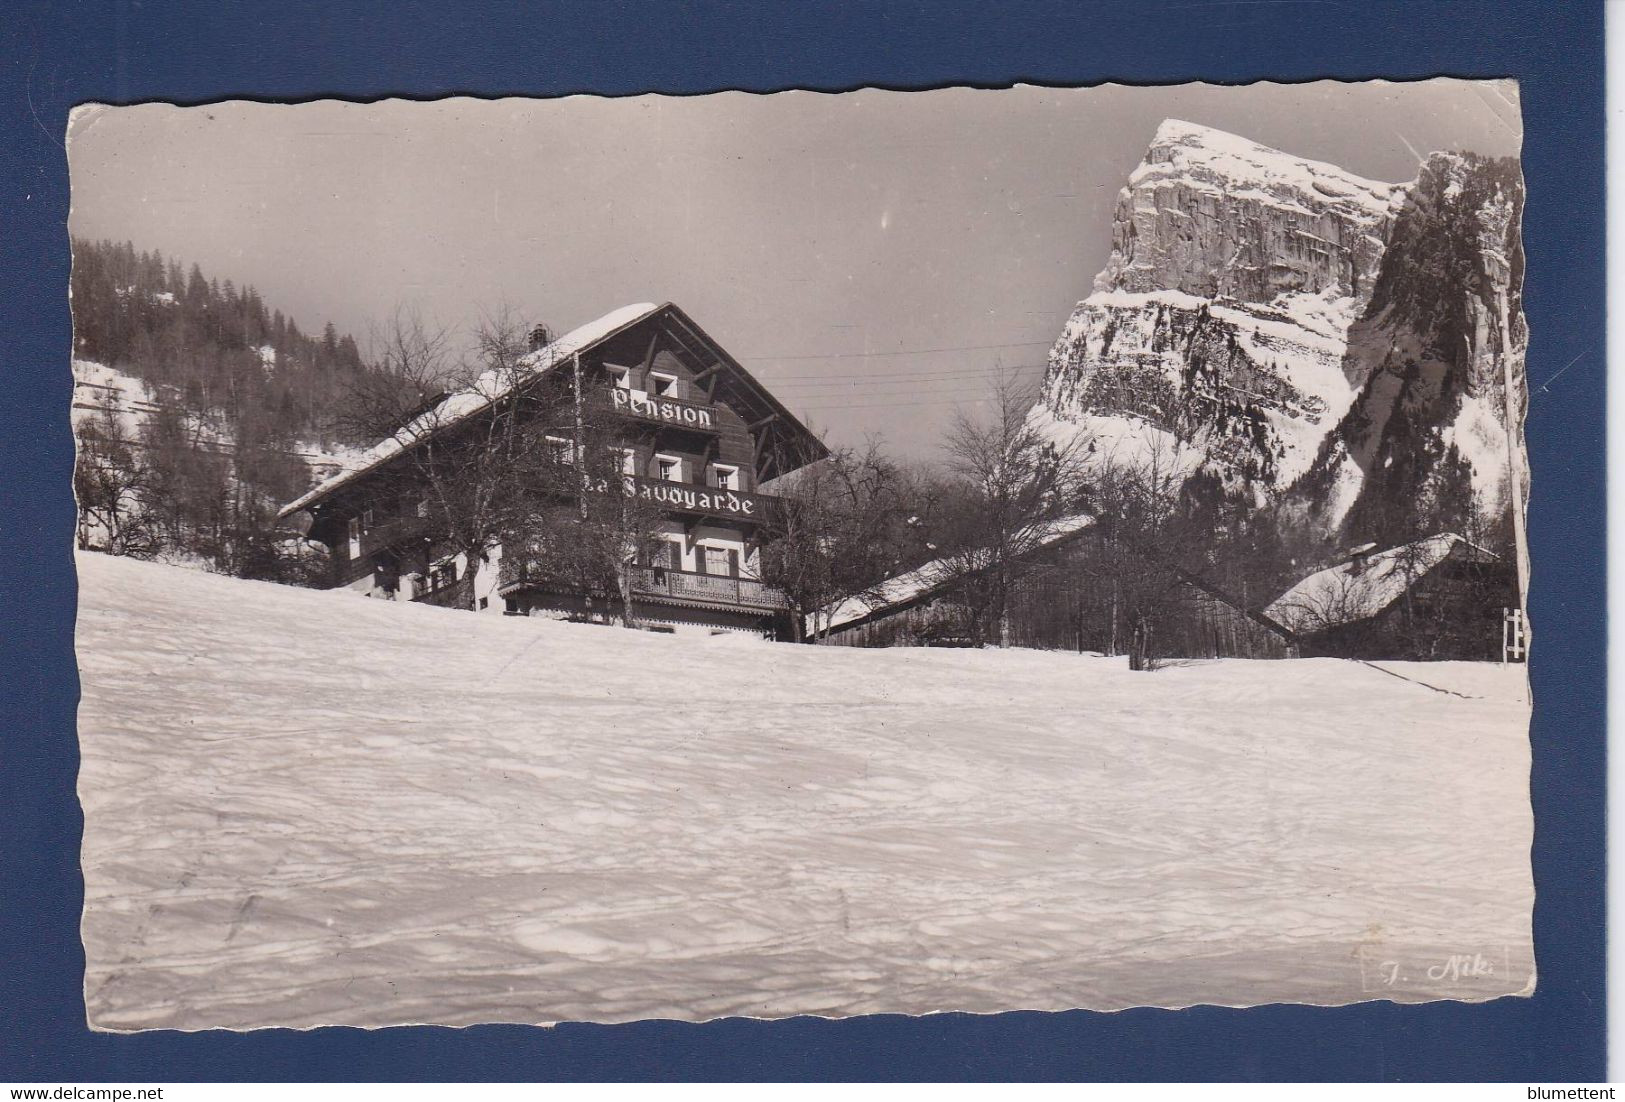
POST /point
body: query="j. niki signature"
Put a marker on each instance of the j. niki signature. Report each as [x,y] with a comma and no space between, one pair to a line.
[1453,969]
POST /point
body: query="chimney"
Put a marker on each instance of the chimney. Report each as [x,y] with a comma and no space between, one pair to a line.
[540,338]
[1356,557]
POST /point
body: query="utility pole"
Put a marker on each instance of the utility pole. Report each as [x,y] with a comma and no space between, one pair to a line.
[580,457]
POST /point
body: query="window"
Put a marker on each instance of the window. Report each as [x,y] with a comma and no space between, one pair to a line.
[629,461]
[443,574]
[670,468]
[664,386]
[620,378]
[560,449]
[721,562]
[355,537]
[725,478]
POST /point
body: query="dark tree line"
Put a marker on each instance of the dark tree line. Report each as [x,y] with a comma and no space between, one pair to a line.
[234,390]
[216,345]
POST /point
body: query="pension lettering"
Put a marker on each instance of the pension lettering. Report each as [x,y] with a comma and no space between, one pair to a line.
[661,409]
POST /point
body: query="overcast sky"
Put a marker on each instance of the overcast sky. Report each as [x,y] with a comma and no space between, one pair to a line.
[869,255]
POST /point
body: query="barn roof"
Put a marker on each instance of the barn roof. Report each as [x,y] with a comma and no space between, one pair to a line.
[935,575]
[1362,586]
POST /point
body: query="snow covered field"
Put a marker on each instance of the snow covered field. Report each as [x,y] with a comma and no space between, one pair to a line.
[306,808]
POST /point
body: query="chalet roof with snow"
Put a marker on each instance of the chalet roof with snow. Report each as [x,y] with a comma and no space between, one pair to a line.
[491,387]
[936,575]
[1365,583]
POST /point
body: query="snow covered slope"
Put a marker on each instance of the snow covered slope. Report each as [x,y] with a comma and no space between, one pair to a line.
[306,807]
[99,390]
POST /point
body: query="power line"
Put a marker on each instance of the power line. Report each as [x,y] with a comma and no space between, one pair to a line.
[900,380]
[962,399]
[900,374]
[898,352]
[864,396]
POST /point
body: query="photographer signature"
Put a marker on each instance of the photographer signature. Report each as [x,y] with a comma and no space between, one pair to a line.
[1454,968]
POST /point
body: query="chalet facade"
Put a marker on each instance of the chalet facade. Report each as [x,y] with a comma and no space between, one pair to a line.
[1437,598]
[697,437]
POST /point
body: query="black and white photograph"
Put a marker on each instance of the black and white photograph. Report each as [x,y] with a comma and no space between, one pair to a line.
[600,559]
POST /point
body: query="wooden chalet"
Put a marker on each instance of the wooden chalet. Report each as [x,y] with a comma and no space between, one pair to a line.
[701,437]
[1443,597]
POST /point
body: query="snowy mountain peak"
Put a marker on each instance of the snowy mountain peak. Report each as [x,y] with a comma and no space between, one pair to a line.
[1215,156]
[1264,315]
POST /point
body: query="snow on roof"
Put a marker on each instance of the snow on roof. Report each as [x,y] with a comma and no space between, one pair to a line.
[1361,586]
[923,579]
[478,396]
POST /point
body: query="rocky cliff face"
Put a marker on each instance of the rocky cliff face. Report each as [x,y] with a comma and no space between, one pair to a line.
[1435,429]
[1303,334]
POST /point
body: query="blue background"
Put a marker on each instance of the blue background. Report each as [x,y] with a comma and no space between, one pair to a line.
[56,55]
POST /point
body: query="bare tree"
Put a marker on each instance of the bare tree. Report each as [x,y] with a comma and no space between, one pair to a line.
[840,528]
[1012,484]
[1138,537]
[111,484]
[591,530]
[412,367]
[515,457]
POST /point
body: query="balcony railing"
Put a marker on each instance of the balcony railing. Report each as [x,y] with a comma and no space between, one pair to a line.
[660,410]
[390,531]
[685,497]
[718,589]
[458,594]
[660,582]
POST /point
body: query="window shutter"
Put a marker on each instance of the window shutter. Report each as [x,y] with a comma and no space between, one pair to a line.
[733,563]
[676,554]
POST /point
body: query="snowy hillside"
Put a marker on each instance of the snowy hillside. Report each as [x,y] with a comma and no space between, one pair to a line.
[98,388]
[306,807]
[1265,316]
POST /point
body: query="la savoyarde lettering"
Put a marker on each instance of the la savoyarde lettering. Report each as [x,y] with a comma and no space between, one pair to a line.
[680,496]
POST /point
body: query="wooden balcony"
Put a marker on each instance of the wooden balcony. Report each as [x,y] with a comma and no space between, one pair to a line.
[707,501]
[458,594]
[662,584]
[390,532]
[654,409]
[687,587]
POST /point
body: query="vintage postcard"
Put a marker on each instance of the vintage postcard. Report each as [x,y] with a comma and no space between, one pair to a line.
[809,554]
